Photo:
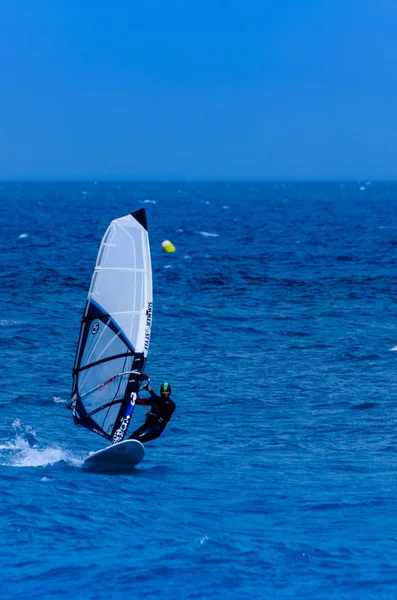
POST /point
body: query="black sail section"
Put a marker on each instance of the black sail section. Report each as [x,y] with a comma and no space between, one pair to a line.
[128,404]
[140,216]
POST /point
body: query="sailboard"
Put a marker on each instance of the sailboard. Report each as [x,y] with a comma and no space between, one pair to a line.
[115,332]
[121,457]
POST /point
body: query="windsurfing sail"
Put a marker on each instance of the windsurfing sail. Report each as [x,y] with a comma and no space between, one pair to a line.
[115,330]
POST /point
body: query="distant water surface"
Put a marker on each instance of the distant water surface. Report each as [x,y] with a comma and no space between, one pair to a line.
[276,323]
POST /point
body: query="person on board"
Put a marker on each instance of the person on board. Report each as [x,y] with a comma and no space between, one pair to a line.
[157,418]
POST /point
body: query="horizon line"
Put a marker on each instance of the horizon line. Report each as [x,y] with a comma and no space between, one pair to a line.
[97,181]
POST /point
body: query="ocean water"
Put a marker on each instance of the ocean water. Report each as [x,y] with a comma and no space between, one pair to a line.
[276,323]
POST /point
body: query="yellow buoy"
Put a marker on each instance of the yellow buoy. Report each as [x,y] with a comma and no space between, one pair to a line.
[168,246]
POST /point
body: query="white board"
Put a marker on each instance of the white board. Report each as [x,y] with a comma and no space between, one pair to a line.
[118,458]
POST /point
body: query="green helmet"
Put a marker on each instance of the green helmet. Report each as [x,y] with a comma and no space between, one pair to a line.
[165,387]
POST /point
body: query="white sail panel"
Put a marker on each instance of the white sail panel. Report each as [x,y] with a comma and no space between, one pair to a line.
[122,280]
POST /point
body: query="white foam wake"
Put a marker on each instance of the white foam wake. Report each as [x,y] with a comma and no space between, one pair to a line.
[20,454]
[25,451]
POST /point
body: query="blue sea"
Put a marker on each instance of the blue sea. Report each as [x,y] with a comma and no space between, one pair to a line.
[275,322]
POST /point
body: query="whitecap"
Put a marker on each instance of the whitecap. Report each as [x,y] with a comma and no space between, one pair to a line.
[59,400]
[207,234]
[150,201]
[394,349]
[23,235]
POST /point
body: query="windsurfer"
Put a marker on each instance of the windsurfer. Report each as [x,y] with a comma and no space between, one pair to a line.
[159,415]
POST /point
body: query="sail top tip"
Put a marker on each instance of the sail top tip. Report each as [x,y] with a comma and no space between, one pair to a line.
[140,216]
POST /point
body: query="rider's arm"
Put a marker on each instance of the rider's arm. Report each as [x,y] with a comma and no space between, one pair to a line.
[153,394]
[147,401]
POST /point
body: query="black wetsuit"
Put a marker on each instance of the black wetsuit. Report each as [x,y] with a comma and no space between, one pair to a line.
[156,420]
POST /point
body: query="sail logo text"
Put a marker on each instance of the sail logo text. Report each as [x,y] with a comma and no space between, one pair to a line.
[148,324]
[120,433]
[105,383]
[94,328]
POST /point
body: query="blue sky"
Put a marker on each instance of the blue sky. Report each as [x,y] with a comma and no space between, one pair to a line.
[286,89]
